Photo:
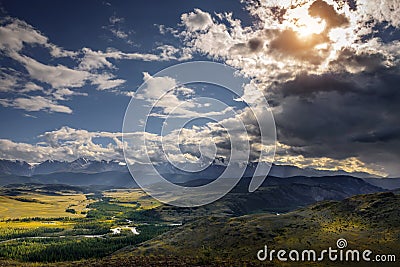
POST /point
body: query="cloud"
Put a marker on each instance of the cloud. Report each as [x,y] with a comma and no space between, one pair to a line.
[173,101]
[341,117]
[115,19]
[68,144]
[61,76]
[116,28]
[106,81]
[7,82]
[12,81]
[380,11]
[94,60]
[155,86]
[350,164]
[31,87]
[288,42]
[330,80]
[327,12]
[56,76]
[55,82]
[287,39]
[119,33]
[15,34]
[65,94]
[35,103]
[65,144]
[197,20]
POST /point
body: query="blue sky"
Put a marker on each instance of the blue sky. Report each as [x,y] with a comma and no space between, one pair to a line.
[328,68]
[91,28]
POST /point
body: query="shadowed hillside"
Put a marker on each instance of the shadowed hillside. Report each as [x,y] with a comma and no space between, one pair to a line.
[365,221]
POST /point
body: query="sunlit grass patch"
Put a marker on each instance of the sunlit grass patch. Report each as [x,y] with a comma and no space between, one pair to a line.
[133,198]
[43,206]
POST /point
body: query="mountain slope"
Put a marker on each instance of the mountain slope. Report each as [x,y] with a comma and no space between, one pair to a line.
[109,178]
[15,168]
[386,183]
[366,222]
[276,195]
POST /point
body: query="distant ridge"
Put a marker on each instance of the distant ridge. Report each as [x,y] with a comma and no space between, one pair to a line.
[84,165]
[80,165]
[99,172]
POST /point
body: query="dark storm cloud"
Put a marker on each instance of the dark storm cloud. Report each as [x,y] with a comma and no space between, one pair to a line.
[341,116]
[373,77]
[385,135]
[306,85]
[368,62]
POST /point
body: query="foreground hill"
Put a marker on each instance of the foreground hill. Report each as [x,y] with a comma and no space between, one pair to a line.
[366,222]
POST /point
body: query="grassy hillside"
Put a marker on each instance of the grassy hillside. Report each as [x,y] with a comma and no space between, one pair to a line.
[366,222]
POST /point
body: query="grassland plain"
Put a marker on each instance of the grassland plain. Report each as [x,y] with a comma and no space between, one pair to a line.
[43,206]
[47,225]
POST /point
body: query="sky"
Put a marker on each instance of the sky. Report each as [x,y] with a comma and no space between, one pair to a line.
[328,69]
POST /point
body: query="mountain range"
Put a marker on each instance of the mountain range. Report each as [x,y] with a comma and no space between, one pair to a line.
[84,165]
[80,165]
[114,173]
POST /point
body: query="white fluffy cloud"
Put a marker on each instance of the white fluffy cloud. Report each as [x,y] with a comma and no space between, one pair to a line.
[63,82]
[381,11]
[93,60]
[197,20]
[7,82]
[56,76]
[68,144]
[36,103]
[289,39]
[175,101]
[64,144]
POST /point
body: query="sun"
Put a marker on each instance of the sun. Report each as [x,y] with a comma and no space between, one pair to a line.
[308,26]
[300,21]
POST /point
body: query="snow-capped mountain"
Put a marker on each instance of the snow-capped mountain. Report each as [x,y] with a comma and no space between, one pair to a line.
[114,173]
[84,165]
[15,167]
[80,165]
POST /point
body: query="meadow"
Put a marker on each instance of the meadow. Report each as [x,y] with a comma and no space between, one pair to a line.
[136,198]
[53,226]
[43,206]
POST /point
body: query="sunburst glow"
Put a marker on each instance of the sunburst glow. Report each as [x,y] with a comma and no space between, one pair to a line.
[308,26]
[299,20]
